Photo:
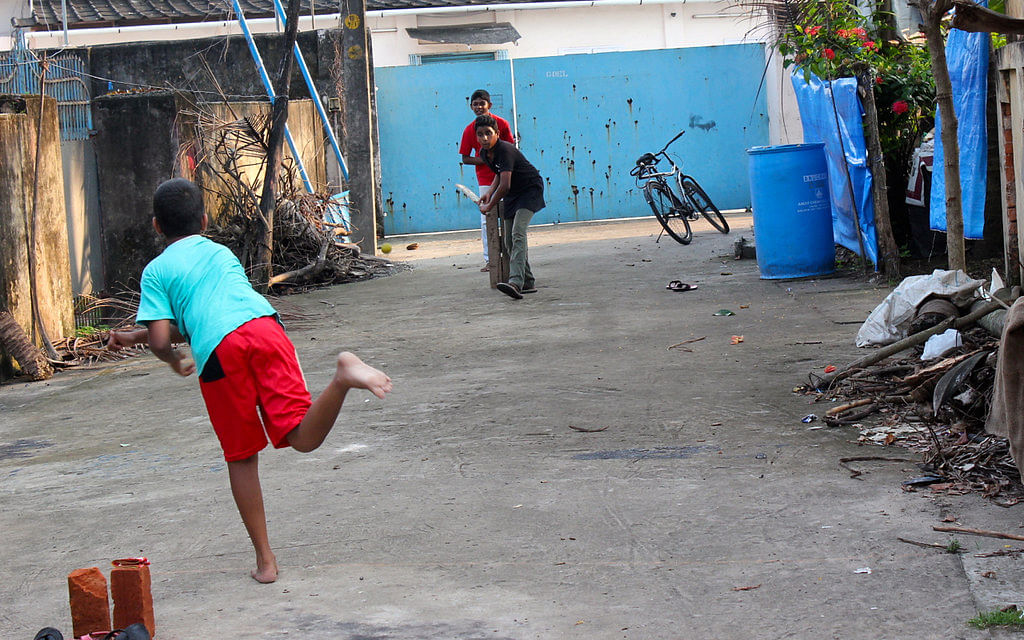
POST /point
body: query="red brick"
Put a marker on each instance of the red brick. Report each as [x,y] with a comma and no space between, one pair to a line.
[131,590]
[90,609]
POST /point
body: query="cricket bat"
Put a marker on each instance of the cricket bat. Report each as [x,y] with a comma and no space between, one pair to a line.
[469,193]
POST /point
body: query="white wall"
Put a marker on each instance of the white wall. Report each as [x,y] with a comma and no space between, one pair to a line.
[550,32]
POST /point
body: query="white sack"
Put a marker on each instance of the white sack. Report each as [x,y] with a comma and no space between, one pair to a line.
[890,321]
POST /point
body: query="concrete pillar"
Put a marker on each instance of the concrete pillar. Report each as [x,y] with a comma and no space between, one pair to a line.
[358,142]
[19,122]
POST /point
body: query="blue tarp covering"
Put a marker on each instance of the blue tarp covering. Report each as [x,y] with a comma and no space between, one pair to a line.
[967,57]
[819,121]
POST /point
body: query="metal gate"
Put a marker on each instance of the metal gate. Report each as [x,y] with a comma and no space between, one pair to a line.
[21,73]
[582,119]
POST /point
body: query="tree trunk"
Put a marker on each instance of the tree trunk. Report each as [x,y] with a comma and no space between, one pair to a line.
[15,342]
[889,252]
[275,142]
[933,13]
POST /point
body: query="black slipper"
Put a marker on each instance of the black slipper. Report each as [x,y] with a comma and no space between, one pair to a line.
[676,285]
[510,290]
[528,290]
[48,633]
[137,631]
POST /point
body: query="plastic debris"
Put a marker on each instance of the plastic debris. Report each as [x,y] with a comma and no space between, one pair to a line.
[809,418]
[736,339]
[724,312]
[830,368]
[863,570]
[941,343]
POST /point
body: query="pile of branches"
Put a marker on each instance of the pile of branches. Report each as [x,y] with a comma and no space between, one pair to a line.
[937,408]
[117,313]
[308,251]
[229,160]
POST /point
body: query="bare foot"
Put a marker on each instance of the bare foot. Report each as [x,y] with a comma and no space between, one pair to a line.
[266,571]
[353,373]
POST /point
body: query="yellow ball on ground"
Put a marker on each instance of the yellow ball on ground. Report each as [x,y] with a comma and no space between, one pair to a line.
[385,248]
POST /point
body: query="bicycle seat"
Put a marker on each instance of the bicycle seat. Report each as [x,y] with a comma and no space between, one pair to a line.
[646,159]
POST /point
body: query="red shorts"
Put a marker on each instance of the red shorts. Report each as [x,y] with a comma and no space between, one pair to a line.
[258,373]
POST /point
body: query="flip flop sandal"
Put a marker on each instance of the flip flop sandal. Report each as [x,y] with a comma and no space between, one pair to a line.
[510,290]
[676,285]
[137,631]
[528,290]
[48,633]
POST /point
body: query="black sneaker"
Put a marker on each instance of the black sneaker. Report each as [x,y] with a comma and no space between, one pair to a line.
[529,289]
[510,290]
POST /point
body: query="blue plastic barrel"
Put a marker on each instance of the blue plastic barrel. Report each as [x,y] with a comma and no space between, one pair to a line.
[792,213]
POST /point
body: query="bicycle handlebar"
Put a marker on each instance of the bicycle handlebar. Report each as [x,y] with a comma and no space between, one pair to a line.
[669,143]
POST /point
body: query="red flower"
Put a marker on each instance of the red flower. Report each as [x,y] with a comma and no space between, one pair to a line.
[870,44]
[829,54]
[900,106]
[878,80]
[813,31]
[858,31]
[843,33]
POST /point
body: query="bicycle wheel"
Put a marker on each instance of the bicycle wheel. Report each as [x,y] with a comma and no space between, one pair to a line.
[702,203]
[669,211]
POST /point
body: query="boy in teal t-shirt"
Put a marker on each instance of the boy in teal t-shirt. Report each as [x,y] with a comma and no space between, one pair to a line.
[196,291]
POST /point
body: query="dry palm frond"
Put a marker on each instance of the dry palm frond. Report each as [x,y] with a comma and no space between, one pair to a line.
[780,16]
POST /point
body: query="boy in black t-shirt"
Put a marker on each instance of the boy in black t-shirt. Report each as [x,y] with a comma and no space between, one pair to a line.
[520,186]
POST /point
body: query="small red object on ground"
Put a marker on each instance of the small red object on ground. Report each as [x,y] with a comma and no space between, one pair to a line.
[830,368]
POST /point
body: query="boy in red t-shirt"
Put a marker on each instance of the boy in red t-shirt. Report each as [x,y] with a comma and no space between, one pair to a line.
[480,103]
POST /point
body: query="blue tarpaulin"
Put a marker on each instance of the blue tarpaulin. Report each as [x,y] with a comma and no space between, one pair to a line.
[967,58]
[819,116]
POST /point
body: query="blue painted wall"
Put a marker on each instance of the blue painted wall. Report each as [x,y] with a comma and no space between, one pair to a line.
[583,121]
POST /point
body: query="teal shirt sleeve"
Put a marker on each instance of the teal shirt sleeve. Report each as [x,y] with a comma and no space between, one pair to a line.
[154,304]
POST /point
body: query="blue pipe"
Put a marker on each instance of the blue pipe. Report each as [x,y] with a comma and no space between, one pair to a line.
[315,95]
[270,90]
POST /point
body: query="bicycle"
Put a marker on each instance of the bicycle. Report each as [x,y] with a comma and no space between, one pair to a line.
[674,212]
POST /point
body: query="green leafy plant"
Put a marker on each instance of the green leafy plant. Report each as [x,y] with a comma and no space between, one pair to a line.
[90,331]
[1009,617]
[833,39]
[954,546]
[829,40]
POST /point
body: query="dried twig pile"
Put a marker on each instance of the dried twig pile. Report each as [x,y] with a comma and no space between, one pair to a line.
[937,408]
[230,161]
[89,346]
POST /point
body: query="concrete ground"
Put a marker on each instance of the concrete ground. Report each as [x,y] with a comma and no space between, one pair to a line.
[469,505]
